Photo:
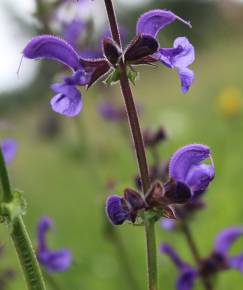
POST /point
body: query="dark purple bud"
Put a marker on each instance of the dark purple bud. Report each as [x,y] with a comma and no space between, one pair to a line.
[141,46]
[177,192]
[117,209]
[134,199]
[52,47]
[152,137]
[96,68]
[111,51]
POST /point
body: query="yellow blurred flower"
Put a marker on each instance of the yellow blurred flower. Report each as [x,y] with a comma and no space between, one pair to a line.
[229,101]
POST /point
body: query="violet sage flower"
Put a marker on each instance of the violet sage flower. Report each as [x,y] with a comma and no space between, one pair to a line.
[68,100]
[186,166]
[180,56]
[218,260]
[9,148]
[53,260]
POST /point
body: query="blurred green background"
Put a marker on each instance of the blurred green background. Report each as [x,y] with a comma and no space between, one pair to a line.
[64,173]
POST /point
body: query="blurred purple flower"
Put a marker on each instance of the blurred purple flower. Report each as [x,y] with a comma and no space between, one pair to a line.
[182,53]
[185,166]
[53,260]
[222,244]
[111,112]
[72,31]
[218,260]
[9,148]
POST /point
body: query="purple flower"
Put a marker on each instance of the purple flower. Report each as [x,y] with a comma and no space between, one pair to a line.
[182,53]
[185,166]
[218,260]
[9,148]
[187,274]
[68,101]
[222,244]
[53,260]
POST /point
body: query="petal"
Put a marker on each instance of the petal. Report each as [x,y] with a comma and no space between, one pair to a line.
[199,177]
[169,251]
[80,78]
[56,261]
[186,279]
[68,101]
[185,158]
[53,260]
[180,56]
[153,21]
[9,148]
[186,77]
[44,224]
[236,262]
[52,47]
[226,238]
[115,209]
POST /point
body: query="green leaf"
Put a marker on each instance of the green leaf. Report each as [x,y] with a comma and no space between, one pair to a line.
[132,75]
[113,78]
[9,211]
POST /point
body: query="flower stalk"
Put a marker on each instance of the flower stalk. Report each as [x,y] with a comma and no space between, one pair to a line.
[195,252]
[140,151]
[20,235]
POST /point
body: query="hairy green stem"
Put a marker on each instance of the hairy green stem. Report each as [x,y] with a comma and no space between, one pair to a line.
[21,238]
[140,151]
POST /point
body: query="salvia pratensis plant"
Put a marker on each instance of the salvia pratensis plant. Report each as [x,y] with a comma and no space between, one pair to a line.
[188,175]
[119,64]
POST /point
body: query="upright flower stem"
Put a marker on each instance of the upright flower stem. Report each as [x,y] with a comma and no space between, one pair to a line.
[20,237]
[140,151]
[195,252]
